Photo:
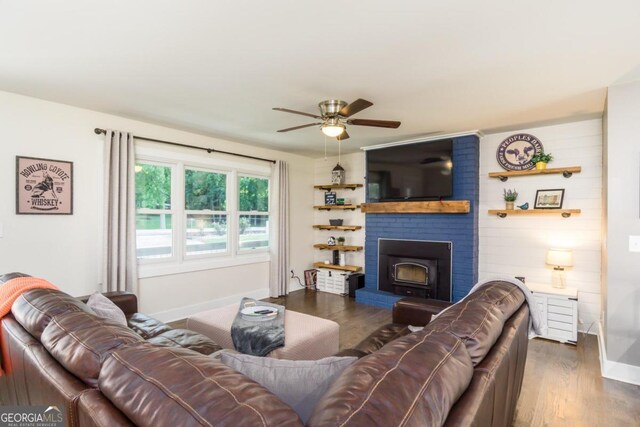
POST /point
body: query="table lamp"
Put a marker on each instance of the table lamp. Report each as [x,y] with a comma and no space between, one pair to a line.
[559,259]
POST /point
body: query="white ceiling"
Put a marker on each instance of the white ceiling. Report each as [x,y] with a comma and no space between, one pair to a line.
[218,67]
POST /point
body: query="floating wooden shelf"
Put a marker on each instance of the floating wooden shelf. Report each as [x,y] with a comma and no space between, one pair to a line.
[338,227]
[337,186]
[566,172]
[352,268]
[433,207]
[337,247]
[329,207]
[565,213]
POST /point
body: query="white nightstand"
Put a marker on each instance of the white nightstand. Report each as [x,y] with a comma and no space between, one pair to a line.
[560,308]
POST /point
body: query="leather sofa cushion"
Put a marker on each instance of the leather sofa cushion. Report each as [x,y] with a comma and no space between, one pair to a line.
[413,381]
[147,327]
[479,318]
[493,393]
[35,309]
[80,342]
[32,376]
[417,311]
[503,295]
[186,339]
[156,386]
[95,410]
[382,336]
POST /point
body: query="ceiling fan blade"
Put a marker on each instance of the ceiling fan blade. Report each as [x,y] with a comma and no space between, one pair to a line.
[286,110]
[299,127]
[355,107]
[374,123]
[344,135]
[430,160]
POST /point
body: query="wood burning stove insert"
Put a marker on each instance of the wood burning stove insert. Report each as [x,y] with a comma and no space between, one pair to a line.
[415,268]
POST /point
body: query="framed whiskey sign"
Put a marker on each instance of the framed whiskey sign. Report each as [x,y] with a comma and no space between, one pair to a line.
[44,186]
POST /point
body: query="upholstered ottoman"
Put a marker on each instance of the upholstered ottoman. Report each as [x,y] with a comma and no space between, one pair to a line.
[305,337]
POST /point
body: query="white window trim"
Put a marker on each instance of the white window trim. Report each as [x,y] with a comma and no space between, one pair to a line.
[180,263]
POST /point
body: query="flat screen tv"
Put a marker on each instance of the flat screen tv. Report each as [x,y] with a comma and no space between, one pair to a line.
[420,171]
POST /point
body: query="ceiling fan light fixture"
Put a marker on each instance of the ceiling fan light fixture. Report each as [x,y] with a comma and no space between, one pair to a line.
[332,131]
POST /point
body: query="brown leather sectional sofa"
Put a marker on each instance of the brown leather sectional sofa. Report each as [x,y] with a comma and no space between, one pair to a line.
[464,368]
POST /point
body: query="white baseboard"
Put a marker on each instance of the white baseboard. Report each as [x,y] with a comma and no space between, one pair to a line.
[186,311]
[615,370]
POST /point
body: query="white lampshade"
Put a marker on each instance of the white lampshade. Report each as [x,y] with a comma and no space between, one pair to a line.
[332,130]
[560,257]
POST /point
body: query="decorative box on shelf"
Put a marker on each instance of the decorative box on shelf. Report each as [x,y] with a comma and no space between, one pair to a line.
[559,306]
[332,281]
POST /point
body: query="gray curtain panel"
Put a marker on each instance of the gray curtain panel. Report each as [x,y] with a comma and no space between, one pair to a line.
[119,254]
[279,269]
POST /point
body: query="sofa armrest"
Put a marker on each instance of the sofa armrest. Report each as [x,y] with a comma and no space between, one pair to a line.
[126,301]
[417,311]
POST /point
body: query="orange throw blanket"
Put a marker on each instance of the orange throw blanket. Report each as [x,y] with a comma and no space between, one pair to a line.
[11,291]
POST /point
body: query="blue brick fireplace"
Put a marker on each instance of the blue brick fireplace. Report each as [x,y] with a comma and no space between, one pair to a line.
[460,229]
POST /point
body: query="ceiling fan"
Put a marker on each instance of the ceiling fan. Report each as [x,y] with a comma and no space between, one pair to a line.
[334,116]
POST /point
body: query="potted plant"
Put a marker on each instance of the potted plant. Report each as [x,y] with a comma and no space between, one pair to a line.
[340,241]
[510,196]
[541,159]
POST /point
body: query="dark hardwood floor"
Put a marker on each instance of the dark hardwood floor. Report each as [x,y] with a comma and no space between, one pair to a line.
[562,384]
[563,387]
[356,321]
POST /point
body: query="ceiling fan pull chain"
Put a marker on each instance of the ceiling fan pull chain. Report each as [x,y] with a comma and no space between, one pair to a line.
[325,148]
[339,149]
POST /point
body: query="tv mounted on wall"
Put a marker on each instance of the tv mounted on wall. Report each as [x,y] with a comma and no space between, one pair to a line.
[418,171]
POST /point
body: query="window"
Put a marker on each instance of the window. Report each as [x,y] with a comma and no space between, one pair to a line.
[205,203]
[154,215]
[253,213]
[198,215]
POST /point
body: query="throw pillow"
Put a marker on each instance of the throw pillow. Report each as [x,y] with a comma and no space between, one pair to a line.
[106,309]
[298,383]
[218,354]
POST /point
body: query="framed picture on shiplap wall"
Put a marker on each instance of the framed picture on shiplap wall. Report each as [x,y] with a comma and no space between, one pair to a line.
[549,199]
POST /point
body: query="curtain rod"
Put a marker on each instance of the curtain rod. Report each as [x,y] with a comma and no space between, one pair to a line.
[98,131]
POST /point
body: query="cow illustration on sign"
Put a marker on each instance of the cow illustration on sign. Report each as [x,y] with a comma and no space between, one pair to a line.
[516,151]
[521,158]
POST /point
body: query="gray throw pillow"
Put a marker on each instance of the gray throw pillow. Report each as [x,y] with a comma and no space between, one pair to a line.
[298,383]
[106,309]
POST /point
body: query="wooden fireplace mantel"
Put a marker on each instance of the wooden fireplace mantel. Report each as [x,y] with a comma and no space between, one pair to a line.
[431,207]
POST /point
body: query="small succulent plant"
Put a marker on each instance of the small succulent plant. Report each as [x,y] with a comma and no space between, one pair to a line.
[542,157]
[510,195]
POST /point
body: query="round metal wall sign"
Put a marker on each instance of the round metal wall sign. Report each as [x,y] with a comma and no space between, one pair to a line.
[516,151]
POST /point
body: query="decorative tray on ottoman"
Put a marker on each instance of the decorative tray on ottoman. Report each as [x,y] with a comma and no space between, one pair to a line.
[259,313]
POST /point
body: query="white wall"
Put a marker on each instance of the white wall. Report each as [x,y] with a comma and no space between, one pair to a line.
[67,249]
[518,245]
[354,165]
[622,311]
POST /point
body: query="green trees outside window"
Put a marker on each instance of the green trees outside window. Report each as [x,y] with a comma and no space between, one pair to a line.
[154,219]
[203,224]
[253,222]
[205,190]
